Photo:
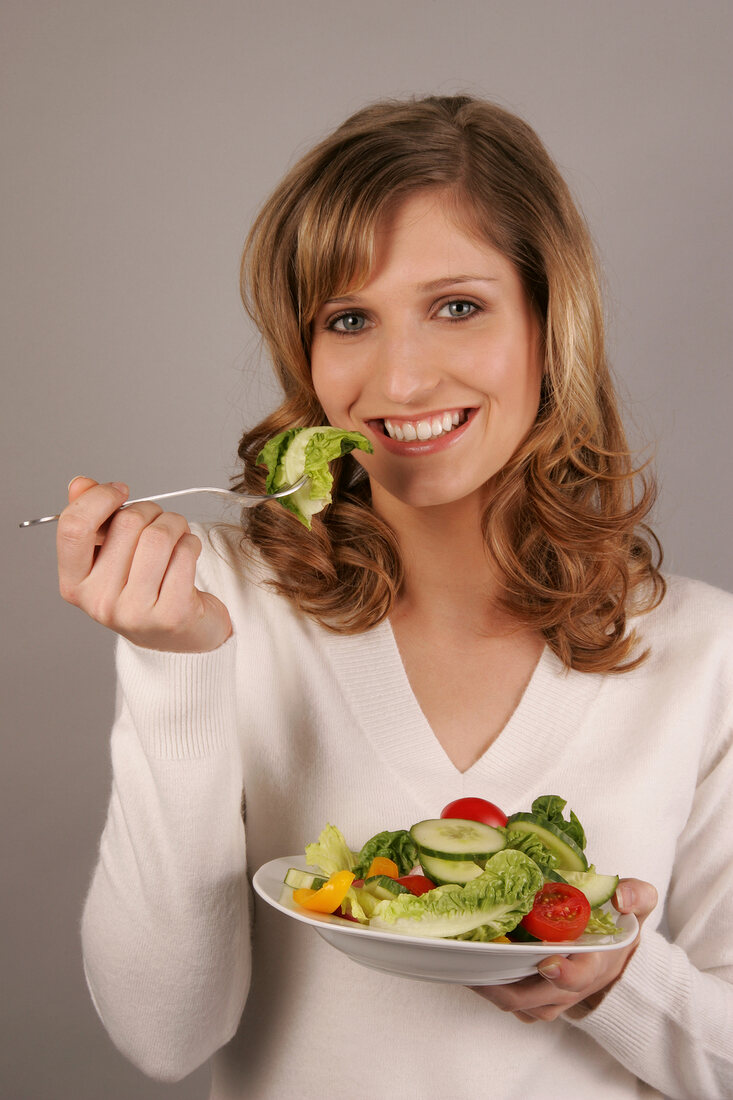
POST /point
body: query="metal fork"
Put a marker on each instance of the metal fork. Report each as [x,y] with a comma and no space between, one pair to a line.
[245,500]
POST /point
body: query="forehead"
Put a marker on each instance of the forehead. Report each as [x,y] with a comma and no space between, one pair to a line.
[428,236]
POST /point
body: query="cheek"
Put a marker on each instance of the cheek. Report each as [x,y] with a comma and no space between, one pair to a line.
[334,390]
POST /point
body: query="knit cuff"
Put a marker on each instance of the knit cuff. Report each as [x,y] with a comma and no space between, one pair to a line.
[656,978]
[183,705]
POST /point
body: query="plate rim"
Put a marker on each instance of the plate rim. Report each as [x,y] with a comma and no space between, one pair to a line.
[320,921]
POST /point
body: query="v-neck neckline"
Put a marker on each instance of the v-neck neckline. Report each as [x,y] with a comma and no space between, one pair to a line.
[375,684]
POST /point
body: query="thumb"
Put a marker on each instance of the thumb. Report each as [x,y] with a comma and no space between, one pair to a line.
[79,485]
[633,895]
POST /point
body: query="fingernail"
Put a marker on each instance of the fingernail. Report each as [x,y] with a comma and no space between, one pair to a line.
[121,487]
[75,478]
[625,897]
[549,970]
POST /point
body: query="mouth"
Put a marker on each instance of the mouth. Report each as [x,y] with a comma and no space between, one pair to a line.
[422,428]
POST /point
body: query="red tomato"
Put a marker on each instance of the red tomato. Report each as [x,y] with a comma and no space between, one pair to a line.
[475,809]
[560,912]
[417,884]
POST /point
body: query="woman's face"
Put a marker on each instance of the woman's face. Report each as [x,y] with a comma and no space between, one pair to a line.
[437,359]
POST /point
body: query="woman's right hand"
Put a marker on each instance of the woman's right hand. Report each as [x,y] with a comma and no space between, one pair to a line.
[133,571]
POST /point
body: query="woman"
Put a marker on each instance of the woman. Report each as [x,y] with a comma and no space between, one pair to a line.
[478,612]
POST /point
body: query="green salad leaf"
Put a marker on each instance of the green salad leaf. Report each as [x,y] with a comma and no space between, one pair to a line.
[602,922]
[496,900]
[550,807]
[532,846]
[359,904]
[330,852]
[397,846]
[299,451]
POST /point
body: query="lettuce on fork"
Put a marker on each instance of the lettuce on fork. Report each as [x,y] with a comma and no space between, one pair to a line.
[496,901]
[299,451]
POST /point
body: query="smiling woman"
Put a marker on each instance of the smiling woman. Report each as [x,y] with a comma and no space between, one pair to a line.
[478,613]
[427,261]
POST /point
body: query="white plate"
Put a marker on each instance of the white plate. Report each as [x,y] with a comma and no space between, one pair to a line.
[429,960]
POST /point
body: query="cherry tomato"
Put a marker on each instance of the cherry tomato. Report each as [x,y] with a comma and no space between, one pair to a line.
[560,912]
[416,884]
[476,809]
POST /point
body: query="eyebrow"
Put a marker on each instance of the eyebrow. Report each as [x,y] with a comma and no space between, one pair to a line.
[429,287]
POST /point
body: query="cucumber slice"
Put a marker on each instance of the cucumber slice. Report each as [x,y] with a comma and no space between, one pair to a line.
[570,856]
[304,880]
[384,887]
[445,871]
[455,838]
[597,888]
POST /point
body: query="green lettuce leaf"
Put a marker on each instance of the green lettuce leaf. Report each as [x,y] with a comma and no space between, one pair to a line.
[330,852]
[602,922]
[299,451]
[484,934]
[359,904]
[551,806]
[496,900]
[532,846]
[397,846]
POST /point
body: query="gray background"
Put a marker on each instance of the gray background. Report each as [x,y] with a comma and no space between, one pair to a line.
[138,139]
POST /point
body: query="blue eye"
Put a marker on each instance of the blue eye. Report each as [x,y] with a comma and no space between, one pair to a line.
[347,322]
[458,309]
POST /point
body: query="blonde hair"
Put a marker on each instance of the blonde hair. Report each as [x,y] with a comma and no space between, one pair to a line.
[564,521]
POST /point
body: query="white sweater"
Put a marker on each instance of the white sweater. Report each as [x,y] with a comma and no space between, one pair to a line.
[316,727]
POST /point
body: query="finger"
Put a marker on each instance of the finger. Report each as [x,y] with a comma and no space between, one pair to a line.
[633,895]
[115,557]
[574,975]
[77,530]
[152,557]
[180,576]
[79,485]
[524,996]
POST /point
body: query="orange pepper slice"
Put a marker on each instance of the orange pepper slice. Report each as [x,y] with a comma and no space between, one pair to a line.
[380,865]
[329,897]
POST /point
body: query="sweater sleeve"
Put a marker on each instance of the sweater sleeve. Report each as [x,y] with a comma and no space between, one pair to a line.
[669,1019]
[165,929]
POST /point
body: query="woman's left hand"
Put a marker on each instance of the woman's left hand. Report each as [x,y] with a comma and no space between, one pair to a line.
[562,983]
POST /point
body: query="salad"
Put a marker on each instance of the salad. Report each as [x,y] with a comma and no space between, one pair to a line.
[471,874]
[299,451]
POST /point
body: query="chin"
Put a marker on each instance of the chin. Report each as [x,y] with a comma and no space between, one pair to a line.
[428,496]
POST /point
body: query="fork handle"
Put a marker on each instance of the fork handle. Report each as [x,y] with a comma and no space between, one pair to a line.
[245,500]
[138,500]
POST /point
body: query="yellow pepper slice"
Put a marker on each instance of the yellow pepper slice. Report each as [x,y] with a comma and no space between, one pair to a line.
[380,865]
[501,939]
[329,897]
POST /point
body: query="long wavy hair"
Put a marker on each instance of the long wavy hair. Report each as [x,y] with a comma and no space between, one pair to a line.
[564,522]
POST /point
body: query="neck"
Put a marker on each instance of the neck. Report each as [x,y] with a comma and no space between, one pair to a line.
[449,578]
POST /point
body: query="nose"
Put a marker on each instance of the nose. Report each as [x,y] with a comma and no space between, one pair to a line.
[406,369]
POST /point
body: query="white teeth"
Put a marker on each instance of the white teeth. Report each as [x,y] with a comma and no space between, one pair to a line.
[410,430]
